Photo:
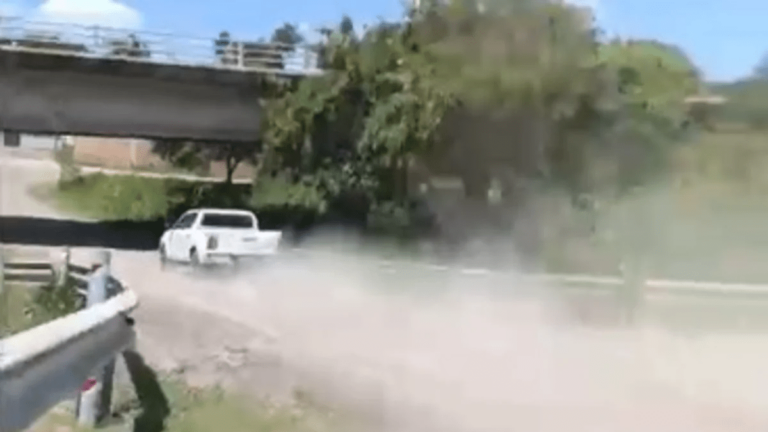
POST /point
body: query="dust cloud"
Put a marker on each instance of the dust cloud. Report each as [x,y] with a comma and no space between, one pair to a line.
[420,349]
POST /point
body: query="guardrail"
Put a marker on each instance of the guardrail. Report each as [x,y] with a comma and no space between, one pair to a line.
[36,272]
[20,34]
[50,363]
[652,285]
[592,282]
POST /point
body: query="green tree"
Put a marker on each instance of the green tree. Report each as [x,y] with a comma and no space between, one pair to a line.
[507,92]
[746,102]
[523,73]
[194,156]
[288,35]
[357,128]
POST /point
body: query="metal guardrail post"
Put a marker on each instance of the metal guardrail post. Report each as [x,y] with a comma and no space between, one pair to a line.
[95,399]
[61,268]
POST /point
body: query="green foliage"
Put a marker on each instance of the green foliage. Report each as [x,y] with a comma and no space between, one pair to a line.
[197,156]
[14,300]
[519,94]
[364,120]
[279,191]
[746,103]
[512,86]
[393,219]
[137,198]
[117,197]
[184,195]
[23,307]
[51,302]
[288,34]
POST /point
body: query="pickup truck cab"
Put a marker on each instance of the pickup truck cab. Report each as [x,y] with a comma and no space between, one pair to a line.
[212,236]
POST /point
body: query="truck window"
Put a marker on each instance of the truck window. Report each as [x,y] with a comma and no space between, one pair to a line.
[185,221]
[222,220]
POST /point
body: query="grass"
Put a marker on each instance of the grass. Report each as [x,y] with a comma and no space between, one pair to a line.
[129,197]
[23,307]
[15,300]
[179,407]
[110,197]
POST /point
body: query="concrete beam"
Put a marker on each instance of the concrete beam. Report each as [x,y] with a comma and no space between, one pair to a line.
[60,94]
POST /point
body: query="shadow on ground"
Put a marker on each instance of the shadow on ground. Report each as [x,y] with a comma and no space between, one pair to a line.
[133,235]
[155,408]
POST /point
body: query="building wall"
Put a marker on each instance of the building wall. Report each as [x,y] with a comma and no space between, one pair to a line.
[33,142]
[116,153]
[127,154]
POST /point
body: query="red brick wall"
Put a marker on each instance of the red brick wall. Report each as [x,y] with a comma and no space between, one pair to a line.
[116,153]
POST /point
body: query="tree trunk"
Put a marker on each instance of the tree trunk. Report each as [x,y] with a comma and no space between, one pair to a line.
[475,205]
[399,173]
[231,167]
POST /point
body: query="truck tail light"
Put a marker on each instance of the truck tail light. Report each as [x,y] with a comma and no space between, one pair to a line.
[213,242]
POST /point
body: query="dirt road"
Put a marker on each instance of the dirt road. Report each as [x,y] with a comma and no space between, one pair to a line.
[17,175]
[462,360]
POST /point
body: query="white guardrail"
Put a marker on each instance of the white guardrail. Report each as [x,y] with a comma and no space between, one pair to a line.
[222,52]
[661,285]
[50,363]
[569,281]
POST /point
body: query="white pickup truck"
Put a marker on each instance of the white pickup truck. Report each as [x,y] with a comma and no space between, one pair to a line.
[212,236]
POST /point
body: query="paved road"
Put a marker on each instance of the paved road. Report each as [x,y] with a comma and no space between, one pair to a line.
[451,362]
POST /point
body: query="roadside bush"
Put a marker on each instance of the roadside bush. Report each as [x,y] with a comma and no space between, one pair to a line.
[51,302]
[115,197]
[185,195]
[25,307]
[294,208]
[278,191]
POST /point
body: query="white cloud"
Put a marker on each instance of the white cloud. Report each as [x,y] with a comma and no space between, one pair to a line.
[108,13]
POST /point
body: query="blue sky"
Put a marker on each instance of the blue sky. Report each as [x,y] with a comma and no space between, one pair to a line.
[724,37]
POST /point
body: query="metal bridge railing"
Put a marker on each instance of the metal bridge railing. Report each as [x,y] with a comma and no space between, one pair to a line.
[20,34]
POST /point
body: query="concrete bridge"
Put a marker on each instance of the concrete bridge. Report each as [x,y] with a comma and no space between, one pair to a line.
[57,79]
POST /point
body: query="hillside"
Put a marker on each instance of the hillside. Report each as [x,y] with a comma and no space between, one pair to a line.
[747,102]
